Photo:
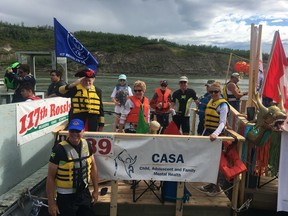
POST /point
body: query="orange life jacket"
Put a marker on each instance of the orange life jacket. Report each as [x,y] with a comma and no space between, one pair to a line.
[163,98]
[132,117]
[230,163]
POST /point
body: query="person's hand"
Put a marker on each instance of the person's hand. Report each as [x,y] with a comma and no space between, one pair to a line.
[53,209]
[213,137]
[76,82]
[100,128]
[159,105]
[94,197]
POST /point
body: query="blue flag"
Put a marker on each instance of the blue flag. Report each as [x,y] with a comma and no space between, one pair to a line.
[66,45]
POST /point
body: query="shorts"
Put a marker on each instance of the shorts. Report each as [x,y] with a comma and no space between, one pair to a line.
[75,204]
[182,122]
[118,109]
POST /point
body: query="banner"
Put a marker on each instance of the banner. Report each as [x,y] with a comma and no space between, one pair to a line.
[37,118]
[161,158]
[277,73]
[66,45]
[282,201]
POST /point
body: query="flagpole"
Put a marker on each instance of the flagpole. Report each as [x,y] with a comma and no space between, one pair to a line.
[252,63]
[228,68]
[256,74]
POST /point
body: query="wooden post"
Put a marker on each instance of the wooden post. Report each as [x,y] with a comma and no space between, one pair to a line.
[179,202]
[193,124]
[114,194]
[228,68]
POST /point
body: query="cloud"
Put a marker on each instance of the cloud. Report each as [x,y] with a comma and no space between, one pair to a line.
[222,23]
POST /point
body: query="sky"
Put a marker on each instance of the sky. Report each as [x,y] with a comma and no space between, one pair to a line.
[221,23]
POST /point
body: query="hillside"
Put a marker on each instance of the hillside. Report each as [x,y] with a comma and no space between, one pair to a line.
[121,53]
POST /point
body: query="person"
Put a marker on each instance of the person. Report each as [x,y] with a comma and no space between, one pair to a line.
[203,101]
[27,92]
[232,93]
[129,115]
[22,77]
[56,82]
[70,170]
[181,103]
[119,96]
[161,103]
[215,120]
[86,100]
[9,80]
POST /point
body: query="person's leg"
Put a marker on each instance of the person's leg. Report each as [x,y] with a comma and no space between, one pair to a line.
[186,125]
[66,204]
[84,203]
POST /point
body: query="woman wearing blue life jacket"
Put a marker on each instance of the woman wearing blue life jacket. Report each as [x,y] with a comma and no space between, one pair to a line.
[119,96]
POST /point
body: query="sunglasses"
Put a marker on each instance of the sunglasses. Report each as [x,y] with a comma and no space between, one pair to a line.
[182,82]
[164,85]
[74,131]
[137,90]
[122,80]
[213,92]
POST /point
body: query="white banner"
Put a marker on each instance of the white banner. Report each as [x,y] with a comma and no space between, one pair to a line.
[161,158]
[39,117]
[282,201]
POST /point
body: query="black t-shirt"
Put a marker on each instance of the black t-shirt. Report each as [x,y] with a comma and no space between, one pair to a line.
[53,87]
[183,98]
[59,154]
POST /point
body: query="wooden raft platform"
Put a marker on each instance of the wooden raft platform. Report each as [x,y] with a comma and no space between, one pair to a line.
[198,204]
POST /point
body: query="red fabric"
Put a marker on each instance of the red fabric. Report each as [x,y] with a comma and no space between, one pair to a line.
[172,129]
[278,69]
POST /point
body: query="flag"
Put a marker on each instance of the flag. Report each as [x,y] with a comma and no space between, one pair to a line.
[277,73]
[66,45]
[142,126]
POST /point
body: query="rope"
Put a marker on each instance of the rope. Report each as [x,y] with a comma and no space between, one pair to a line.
[243,207]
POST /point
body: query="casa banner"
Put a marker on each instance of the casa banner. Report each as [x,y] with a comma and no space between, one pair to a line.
[39,117]
[161,158]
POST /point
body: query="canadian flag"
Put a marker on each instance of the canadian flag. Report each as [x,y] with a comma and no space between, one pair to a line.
[277,73]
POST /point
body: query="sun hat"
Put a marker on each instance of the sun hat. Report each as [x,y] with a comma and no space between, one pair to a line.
[237,75]
[183,79]
[209,82]
[122,76]
[76,124]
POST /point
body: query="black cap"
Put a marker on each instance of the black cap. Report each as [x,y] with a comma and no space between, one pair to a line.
[85,73]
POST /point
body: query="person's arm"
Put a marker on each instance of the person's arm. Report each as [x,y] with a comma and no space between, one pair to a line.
[50,189]
[128,106]
[223,109]
[153,101]
[94,178]
[65,88]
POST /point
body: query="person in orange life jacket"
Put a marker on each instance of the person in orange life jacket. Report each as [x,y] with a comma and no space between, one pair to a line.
[72,158]
[119,96]
[27,92]
[56,82]
[215,120]
[181,103]
[22,77]
[232,91]
[161,103]
[203,100]
[86,100]
[129,115]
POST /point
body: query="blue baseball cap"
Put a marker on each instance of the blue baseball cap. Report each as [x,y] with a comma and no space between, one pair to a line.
[76,124]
